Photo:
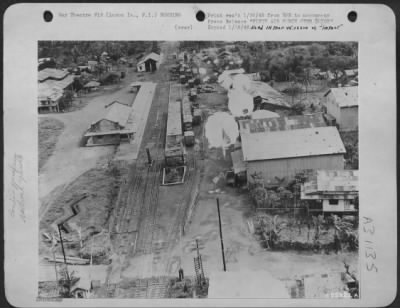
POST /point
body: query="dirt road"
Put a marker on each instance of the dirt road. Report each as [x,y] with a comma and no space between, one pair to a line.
[69,159]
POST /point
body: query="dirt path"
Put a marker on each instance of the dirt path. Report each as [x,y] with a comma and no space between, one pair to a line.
[242,251]
[69,159]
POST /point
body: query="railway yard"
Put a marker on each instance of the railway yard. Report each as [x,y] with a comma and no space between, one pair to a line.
[129,217]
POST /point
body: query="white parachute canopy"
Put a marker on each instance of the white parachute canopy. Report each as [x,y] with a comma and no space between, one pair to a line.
[221,129]
[240,103]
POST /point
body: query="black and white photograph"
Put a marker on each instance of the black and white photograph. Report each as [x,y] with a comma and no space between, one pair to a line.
[186,169]
[199,155]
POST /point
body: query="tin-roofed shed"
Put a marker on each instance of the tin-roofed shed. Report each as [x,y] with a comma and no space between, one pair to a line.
[342,104]
[277,156]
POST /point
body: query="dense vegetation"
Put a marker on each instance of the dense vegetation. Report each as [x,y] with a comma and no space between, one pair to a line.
[278,60]
[67,53]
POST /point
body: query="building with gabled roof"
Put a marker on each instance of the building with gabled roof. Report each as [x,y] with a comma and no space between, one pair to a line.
[149,63]
[335,190]
[279,155]
[342,105]
[52,73]
[113,127]
[51,86]
[266,97]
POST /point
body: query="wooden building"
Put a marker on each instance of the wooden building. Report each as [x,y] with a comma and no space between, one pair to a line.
[149,63]
[342,105]
[335,191]
[114,127]
[52,84]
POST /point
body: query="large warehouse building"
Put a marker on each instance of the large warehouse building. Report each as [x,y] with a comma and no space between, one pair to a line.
[277,155]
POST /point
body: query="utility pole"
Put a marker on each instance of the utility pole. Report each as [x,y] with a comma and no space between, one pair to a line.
[63,251]
[220,235]
[149,157]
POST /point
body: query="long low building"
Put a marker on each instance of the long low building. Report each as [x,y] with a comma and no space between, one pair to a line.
[278,156]
[113,128]
[51,86]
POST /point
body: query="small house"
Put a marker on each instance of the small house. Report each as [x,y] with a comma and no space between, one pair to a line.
[335,190]
[342,105]
[149,63]
[92,65]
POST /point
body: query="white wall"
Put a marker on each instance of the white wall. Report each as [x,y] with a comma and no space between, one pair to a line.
[342,206]
[288,167]
[332,107]
[141,67]
[349,118]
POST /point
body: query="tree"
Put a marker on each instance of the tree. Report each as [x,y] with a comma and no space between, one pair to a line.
[297,109]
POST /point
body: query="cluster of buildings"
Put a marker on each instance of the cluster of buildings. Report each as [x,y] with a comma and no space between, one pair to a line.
[53,82]
[276,148]
[51,86]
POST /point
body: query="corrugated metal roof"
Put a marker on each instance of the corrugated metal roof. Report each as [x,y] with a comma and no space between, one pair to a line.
[292,143]
[250,126]
[52,73]
[118,113]
[331,184]
[267,93]
[53,89]
[49,93]
[174,124]
[60,84]
[345,96]
[337,180]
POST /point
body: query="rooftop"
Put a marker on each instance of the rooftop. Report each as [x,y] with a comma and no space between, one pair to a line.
[267,93]
[272,124]
[118,113]
[292,143]
[345,96]
[154,56]
[49,93]
[174,124]
[331,182]
[351,73]
[52,73]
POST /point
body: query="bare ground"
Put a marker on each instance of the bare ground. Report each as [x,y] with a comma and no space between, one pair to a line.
[49,131]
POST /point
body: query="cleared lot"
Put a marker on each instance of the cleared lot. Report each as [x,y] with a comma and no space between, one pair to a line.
[49,130]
